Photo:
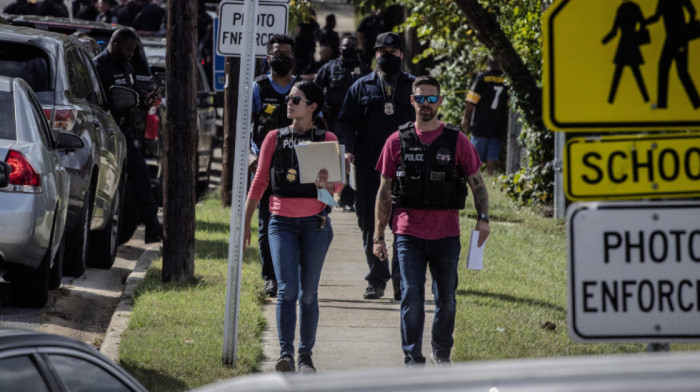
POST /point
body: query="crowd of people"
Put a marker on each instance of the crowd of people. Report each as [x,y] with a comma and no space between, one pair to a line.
[413,173]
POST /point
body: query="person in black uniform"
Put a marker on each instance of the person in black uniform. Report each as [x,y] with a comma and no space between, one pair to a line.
[270,112]
[151,17]
[115,70]
[335,78]
[486,114]
[374,107]
[20,7]
[52,8]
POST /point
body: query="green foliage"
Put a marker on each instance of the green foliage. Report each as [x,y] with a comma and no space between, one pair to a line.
[458,56]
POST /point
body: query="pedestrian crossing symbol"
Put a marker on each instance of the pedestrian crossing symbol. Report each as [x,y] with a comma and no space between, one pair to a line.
[621,65]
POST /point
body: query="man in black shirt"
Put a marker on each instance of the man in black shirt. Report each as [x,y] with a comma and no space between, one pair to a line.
[115,70]
[486,114]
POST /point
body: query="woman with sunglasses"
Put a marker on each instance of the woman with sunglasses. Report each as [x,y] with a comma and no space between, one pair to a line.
[300,230]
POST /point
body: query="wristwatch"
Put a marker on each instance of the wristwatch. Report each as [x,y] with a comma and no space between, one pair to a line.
[377,240]
[483,217]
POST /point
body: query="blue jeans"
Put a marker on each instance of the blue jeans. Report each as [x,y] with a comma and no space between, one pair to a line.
[298,247]
[442,256]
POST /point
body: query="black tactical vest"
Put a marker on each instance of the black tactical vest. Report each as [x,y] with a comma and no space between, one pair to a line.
[284,168]
[274,111]
[428,177]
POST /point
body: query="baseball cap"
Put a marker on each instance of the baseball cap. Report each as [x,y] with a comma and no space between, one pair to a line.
[389,39]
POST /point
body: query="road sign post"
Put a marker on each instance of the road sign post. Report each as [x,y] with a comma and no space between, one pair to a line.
[634,271]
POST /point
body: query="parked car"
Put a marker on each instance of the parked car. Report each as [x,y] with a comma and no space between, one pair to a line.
[62,75]
[34,361]
[102,33]
[207,136]
[651,372]
[34,193]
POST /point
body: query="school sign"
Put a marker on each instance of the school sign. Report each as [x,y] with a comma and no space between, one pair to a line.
[621,65]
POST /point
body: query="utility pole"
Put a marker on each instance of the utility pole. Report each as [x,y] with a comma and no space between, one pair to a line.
[180,142]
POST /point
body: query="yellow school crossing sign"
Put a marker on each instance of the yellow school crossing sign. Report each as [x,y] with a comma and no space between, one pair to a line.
[621,65]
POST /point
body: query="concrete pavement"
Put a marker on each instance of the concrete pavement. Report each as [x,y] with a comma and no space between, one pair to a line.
[352,332]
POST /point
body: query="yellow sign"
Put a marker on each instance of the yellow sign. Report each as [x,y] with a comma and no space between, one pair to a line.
[632,167]
[621,65]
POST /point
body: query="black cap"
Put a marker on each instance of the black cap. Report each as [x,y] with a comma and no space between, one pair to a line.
[392,40]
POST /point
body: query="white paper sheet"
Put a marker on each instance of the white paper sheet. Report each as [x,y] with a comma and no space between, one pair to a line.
[315,156]
[475,257]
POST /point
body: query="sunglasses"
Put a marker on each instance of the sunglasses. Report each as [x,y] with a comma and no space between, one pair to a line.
[295,99]
[422,98]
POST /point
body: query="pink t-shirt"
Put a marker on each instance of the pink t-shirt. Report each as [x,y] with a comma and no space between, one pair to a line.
[291,207]
[427,224]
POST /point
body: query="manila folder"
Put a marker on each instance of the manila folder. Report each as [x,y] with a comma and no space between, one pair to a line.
[315,156]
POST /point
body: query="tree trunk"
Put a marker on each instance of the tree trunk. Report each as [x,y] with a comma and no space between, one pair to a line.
[180,142]
[233,68]
[489,32]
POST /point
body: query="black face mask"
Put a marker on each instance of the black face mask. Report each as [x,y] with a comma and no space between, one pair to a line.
[389,63]
[349,53]
[281,65]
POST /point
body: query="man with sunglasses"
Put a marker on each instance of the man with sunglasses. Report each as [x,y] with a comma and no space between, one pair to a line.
[425,167]
[270,112]
[374,107]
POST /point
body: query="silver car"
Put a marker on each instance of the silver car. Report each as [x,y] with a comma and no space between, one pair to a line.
[34,195]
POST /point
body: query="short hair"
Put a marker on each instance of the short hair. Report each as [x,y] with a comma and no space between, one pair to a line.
[313,92]
[122,35]
[426,79]
[279,39]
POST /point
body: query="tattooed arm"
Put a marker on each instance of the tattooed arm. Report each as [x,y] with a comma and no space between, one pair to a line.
[382,211]
[481,203]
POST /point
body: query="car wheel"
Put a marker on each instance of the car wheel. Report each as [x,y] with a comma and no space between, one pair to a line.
[78,247]
[30,288]
[105,242]
[56,272]
[130,218]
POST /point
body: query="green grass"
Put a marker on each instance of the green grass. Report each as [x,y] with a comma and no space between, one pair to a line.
[174,340]
[175,337]
[500,310]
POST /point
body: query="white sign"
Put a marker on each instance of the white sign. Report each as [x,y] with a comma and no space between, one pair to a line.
[271,19]
[634,271]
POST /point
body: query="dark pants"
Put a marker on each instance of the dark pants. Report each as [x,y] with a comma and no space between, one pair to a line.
[365,199]
[139,178]
[268,271]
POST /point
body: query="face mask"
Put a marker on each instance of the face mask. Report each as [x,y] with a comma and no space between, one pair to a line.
[389,63]
[349,53]
[281,65]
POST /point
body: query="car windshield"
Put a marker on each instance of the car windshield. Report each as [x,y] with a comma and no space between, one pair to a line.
[26,62]
[7,116]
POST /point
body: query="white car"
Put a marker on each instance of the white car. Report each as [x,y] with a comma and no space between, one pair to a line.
[34,195]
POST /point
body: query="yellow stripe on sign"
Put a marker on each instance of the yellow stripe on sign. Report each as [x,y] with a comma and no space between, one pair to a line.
[632,167]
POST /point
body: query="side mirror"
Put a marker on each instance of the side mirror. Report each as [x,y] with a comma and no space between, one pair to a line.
[205,99]
[123,98]
[69,142]
[4,174]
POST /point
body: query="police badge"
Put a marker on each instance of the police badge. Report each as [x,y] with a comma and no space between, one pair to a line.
[388,108]
[291,175]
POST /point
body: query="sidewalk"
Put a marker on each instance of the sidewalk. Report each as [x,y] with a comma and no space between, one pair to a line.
[352,332]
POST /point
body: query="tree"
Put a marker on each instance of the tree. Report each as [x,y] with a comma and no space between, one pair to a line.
[508,30]
[180,143]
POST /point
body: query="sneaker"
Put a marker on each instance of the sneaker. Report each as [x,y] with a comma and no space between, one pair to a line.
[440,362]
[373,292]
[348,209]
[270,288]
[154,233]
[305,364]
[285,363]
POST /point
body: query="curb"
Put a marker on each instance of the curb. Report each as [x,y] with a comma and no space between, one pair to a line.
[120,318]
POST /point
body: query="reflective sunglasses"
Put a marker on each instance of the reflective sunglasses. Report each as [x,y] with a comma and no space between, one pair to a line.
[295,99]
[422,98]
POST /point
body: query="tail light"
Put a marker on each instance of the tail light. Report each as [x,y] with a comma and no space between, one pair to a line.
[63,117]
[23,177]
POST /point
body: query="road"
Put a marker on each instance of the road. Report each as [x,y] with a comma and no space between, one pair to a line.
[82,307]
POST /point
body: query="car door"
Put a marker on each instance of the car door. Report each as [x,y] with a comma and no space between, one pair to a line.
[82,96]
